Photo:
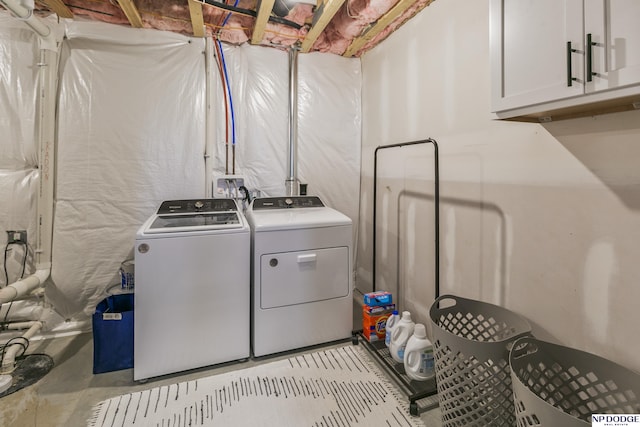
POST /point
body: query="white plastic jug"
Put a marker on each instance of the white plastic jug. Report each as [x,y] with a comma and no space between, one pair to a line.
[400,335]
[391,322]
[418,355]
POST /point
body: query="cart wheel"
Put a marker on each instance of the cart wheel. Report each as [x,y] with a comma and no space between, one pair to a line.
[413,409]
[354,339]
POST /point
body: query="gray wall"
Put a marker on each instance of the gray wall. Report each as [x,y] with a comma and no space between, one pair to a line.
[544,220]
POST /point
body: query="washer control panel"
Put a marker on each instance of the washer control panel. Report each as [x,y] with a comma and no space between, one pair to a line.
[287,202]
[196,206]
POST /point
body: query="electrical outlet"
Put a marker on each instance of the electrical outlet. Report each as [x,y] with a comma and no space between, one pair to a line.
[16,236]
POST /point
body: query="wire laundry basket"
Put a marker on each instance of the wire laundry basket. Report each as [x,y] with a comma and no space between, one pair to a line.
[471,350]
[560,386]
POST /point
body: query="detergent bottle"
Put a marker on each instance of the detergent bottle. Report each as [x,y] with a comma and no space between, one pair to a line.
[391,322]
[400,335]
[418,355]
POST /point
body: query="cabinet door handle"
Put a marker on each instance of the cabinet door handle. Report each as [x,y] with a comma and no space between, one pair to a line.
[570,79]
[590,72]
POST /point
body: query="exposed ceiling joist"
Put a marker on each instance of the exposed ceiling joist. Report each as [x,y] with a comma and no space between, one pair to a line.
[59,8]
[197,20]
[321,18]
[131,11]
[380,25]
[327,27]
[264,11]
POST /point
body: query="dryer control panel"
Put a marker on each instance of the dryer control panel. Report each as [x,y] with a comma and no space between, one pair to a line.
[196,206]
[287,202]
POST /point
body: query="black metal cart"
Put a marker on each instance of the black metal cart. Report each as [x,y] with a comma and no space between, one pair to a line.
[422,394]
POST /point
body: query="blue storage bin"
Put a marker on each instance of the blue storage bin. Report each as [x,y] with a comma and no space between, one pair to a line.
[113,334]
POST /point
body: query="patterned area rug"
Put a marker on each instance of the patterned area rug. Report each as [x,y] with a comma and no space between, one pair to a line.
[341,387]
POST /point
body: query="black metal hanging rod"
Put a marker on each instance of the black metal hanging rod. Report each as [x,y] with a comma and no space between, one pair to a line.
[436,207]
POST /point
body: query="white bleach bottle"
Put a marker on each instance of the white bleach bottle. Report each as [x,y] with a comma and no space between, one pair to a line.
[402,331]
[391,322]
[418,355]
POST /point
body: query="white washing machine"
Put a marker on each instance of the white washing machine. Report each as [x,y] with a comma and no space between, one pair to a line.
[192,301]
[301,272]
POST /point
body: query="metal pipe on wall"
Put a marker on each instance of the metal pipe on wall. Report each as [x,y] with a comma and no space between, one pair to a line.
[291,183]
[210,136]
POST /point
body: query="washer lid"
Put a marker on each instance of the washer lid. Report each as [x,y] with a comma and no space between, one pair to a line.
[194,215]
[194,222]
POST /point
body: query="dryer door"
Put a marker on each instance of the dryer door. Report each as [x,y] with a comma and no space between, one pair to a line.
[289,278]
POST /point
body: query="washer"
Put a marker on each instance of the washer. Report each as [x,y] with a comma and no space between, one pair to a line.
[301,274]
[192,301]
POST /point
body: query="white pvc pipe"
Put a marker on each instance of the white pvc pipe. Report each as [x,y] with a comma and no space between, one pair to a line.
[24,312]
[26,15]
[9,360]
[18,326]
[23,286]
[45,110]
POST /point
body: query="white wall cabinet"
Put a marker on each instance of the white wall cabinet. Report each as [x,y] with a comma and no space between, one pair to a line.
[554,59]
[614,29]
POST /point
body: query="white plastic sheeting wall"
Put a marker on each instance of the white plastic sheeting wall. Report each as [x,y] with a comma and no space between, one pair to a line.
[132,126]
[329,120]
[131,133]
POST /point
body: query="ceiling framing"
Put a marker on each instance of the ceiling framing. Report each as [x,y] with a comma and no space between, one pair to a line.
[342,27]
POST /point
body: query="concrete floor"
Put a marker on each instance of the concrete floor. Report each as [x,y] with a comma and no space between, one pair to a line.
[66,395]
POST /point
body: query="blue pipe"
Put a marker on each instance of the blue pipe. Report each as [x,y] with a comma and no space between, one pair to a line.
[226,77]
[229,15]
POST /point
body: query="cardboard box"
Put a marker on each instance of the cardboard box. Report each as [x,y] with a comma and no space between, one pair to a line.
[377,298]
[374,321]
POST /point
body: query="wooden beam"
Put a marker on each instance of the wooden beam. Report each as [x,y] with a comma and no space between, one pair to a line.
[197,21]
[59,8]
[321,18]
[129,8]
[264,11]
[380,25]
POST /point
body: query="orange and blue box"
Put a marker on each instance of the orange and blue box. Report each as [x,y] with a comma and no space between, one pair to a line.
[374,321]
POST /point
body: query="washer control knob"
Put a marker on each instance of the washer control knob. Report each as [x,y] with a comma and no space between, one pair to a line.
[198,204]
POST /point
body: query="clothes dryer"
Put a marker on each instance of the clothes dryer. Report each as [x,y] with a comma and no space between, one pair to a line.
[301,270]
[192,302]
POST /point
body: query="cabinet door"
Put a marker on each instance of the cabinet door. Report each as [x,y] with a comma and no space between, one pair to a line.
[614,28]
[529,49]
